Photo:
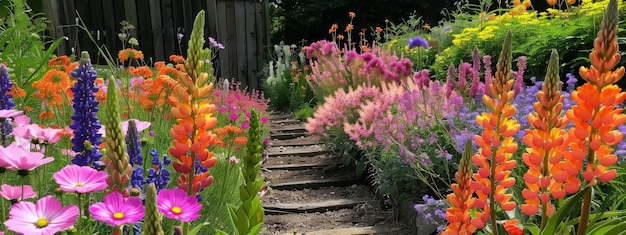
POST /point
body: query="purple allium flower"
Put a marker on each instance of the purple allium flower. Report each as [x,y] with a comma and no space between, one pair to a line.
[418,42]
[85,123]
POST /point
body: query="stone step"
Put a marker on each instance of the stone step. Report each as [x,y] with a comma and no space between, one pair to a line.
[285,121]
[294,143]
[275,116]
[288,129]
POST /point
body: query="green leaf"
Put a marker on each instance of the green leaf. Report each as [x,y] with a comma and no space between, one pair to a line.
[562,213]
[195,230]
[532,228]
[609,226]
[220,232]
[256,229]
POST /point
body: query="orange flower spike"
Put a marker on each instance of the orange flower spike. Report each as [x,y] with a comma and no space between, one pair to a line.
[595,115]
[545,141]
[461,201]
[195,116]
[496,145]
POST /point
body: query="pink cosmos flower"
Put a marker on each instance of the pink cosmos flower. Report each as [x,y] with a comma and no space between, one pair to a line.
[15,192]
[35,132]
[176,204]
[46,217]
[19,158]
[117,210]
[9,113]
[74,178]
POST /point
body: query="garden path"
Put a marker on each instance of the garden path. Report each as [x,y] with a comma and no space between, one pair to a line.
[311,193]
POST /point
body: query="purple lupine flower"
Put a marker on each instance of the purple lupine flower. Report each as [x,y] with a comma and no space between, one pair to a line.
[85,123]
[571,82]
[488,75]
[158,174]
[450,80]
[418,42]
[6,102]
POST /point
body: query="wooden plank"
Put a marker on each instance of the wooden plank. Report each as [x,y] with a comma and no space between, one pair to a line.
[285,121]
[288,129]
[325,163]
[231,38]
[312,207]
[251,48]
[294,143]
[299,152]
[317,183]
[261,42]
[82,7]
[353,231]
[178,19]
[68,17]
[241,46]
[144,28]
[286,136]
[170,35]
[130,11]
[223,68]
[108,34]
[157,30]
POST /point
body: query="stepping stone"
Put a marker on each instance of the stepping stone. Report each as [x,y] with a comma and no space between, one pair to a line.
[312,207]
[353,231]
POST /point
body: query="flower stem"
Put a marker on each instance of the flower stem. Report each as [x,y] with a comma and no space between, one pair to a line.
[584,214]
[80,212]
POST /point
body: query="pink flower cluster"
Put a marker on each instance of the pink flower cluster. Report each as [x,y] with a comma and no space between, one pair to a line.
[331,70]
[234,102]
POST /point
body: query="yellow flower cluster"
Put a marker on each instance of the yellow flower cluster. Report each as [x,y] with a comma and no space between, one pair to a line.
[590,8]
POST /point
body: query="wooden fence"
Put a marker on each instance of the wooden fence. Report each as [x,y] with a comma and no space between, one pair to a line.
[242,26]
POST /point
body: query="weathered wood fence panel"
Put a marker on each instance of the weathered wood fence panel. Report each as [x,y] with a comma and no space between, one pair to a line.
[242,26]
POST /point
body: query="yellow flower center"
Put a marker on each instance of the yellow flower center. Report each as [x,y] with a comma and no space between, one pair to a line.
[41,223]
[176,210]
[118,215]
[79,185]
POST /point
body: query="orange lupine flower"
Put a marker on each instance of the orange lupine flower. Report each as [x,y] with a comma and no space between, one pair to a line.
[544,157]
[195,118]
[595,115]
[129,53]
[461,201]
[512,227]
[496,144]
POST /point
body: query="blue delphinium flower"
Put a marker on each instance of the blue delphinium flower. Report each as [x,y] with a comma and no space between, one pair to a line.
[85,124]
[133,146]
[418,42]
[6,102]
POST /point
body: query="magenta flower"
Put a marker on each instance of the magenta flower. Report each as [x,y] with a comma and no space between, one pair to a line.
[9,113]
[15,192]
[176,204]
[77,179]
[21,159]
[117,210]
[47,217]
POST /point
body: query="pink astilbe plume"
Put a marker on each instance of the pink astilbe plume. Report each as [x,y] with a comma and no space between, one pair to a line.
[116,210]
[15,193]
[176,204]
[46,217]
[77,179]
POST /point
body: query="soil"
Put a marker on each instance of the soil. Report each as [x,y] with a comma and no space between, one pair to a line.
[319,195]
[317,173]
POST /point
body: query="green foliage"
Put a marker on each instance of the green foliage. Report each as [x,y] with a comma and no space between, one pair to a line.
[287,83]
[249,216]
[23,43]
